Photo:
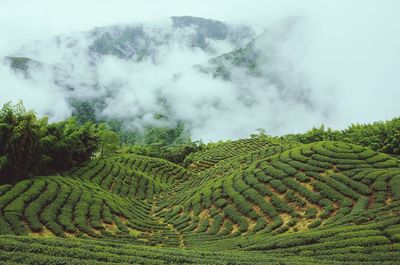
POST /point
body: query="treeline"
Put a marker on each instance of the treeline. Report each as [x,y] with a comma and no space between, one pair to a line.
[172,143]
[175,153]
[379,136]
[31,146]
[86,111]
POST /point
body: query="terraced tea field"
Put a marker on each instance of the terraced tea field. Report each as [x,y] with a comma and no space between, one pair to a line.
[251,201]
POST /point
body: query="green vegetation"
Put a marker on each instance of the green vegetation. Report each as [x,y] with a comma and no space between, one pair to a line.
[169,142]
[22,64]
[261,200]
[379,136]
[30,146]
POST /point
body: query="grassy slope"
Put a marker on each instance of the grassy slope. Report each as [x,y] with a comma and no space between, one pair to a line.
[250,201]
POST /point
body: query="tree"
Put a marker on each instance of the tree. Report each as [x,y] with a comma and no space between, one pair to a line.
[379,136]
[84,111]
[110,141]
[31,146]
[19,141]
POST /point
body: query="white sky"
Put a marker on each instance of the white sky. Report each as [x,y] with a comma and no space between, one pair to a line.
[24,20]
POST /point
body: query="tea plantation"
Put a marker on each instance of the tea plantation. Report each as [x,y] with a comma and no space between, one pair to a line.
[252,201]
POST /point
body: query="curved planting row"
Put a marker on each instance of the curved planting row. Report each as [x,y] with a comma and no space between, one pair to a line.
[376,240]
[223,168]
[26,250]
[209,157]
[227,166]
[161,170]
[324,202]
[119,179]
[321,184]
[67,207]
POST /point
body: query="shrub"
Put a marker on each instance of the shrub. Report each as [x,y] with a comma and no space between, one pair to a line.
[235,216]
[278,185]
[314,224]
[311,213]
[261,224]
[395,187]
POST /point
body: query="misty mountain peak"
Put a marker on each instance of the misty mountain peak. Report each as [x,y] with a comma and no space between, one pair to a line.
[207,28]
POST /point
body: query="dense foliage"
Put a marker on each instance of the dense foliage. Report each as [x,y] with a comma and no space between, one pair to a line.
[31,146]
[175,153]
[172,143]
[379,136]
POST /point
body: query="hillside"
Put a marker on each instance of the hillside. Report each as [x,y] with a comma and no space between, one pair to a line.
[258,51]
[260,200]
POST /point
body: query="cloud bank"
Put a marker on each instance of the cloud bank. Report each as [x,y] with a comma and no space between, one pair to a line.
[338,66]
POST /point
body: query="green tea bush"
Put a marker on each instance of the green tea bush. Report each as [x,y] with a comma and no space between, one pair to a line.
[237,218]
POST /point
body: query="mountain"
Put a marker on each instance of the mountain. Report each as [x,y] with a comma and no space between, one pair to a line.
[133,42]
[260,49]
[22,64]
[77,64]
[138,41]
[251,201]
[263,58]
[93,67]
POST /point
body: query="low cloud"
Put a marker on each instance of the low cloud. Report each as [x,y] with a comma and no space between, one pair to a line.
[335,65]
[38,92]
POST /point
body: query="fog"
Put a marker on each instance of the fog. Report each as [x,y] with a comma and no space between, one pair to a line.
[336,65]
